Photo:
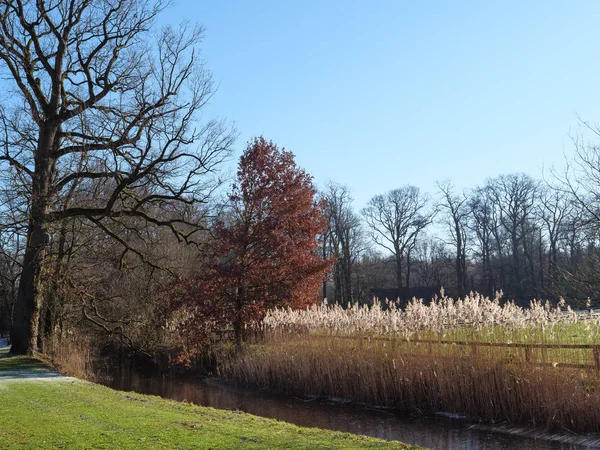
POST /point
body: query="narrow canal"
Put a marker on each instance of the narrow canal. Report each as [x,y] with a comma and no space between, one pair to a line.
[437,433]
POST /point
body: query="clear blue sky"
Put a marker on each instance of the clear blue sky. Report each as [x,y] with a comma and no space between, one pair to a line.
[378,94]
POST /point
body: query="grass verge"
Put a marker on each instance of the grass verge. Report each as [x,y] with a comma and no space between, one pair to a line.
[63,413]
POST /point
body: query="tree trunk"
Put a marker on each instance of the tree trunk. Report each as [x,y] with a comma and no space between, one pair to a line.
[465,278]
[338,295]
[25,320]
[347,276]
[238,319]
[408,270]
[398,271]
[238,334]
[347,288]
[542,288]
[460,274]
[516,264]
[324,249]
[553,267]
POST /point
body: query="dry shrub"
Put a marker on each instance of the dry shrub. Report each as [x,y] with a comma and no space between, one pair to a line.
[71,354]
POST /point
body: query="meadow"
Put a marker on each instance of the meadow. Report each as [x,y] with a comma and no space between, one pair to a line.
[480,357]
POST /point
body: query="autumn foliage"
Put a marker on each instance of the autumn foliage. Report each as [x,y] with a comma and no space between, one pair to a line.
[264,252]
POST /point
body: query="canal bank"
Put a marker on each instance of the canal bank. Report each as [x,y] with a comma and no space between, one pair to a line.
[41,409]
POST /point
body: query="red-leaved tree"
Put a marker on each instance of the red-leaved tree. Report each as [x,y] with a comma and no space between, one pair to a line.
[265,248]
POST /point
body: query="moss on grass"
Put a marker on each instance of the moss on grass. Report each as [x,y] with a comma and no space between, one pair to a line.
[73,414]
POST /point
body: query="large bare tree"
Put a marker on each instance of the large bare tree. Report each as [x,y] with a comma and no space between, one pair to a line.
[581,183]
[554,209]
[515,196]
[488,243]
[102,107]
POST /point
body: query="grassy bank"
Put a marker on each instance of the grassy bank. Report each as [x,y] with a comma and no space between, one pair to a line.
[40,410]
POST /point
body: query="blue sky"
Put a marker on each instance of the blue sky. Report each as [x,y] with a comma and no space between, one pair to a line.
[378,94]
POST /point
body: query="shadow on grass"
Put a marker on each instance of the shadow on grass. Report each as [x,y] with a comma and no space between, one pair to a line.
[4,348]
[22,366]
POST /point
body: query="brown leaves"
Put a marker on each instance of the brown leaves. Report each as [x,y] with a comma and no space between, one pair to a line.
[265,249]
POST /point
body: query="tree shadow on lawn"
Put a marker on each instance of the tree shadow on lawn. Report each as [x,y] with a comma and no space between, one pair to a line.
[15,367]
[4,348]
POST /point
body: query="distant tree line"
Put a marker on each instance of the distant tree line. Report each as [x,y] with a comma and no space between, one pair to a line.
[526,237]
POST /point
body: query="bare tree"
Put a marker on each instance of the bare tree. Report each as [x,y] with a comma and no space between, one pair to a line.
[395,220]
[371,271]
[12,236]
[581,179]
[555,207]
[487,245]
[9,273]
[431,261]
[100,104]
[515,195]
[345,239]
[581,182]
[456,218]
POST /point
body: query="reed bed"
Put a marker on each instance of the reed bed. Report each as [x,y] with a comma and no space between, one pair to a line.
[406,359]
[473,317]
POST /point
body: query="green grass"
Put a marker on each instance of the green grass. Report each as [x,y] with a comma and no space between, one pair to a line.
[583,332]
[559,334]
[73,414]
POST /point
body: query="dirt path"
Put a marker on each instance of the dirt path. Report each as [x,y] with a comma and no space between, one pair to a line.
[20,368]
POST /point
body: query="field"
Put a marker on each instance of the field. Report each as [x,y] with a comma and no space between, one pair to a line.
[499,363]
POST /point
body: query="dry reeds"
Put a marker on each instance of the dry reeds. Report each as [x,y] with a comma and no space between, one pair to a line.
[472,314]
[71,354]
[377,356]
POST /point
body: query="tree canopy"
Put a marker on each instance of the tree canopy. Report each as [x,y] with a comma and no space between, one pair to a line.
[265,248]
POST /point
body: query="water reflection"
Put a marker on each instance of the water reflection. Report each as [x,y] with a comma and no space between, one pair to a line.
[435,433]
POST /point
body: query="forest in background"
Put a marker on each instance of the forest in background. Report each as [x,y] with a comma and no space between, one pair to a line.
[528,237]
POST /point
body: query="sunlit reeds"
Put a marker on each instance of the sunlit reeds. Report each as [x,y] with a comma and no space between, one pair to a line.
[472,356]
[474,315]
[71,355]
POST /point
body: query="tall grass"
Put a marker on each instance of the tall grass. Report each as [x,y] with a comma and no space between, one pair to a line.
[72,354]
[373,355]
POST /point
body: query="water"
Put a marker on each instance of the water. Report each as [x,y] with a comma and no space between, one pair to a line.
[437,433]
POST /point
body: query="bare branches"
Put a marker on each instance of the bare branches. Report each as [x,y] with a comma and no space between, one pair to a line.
[111,133]
[456,219]
[396,219]
[125,114]
[344,240]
